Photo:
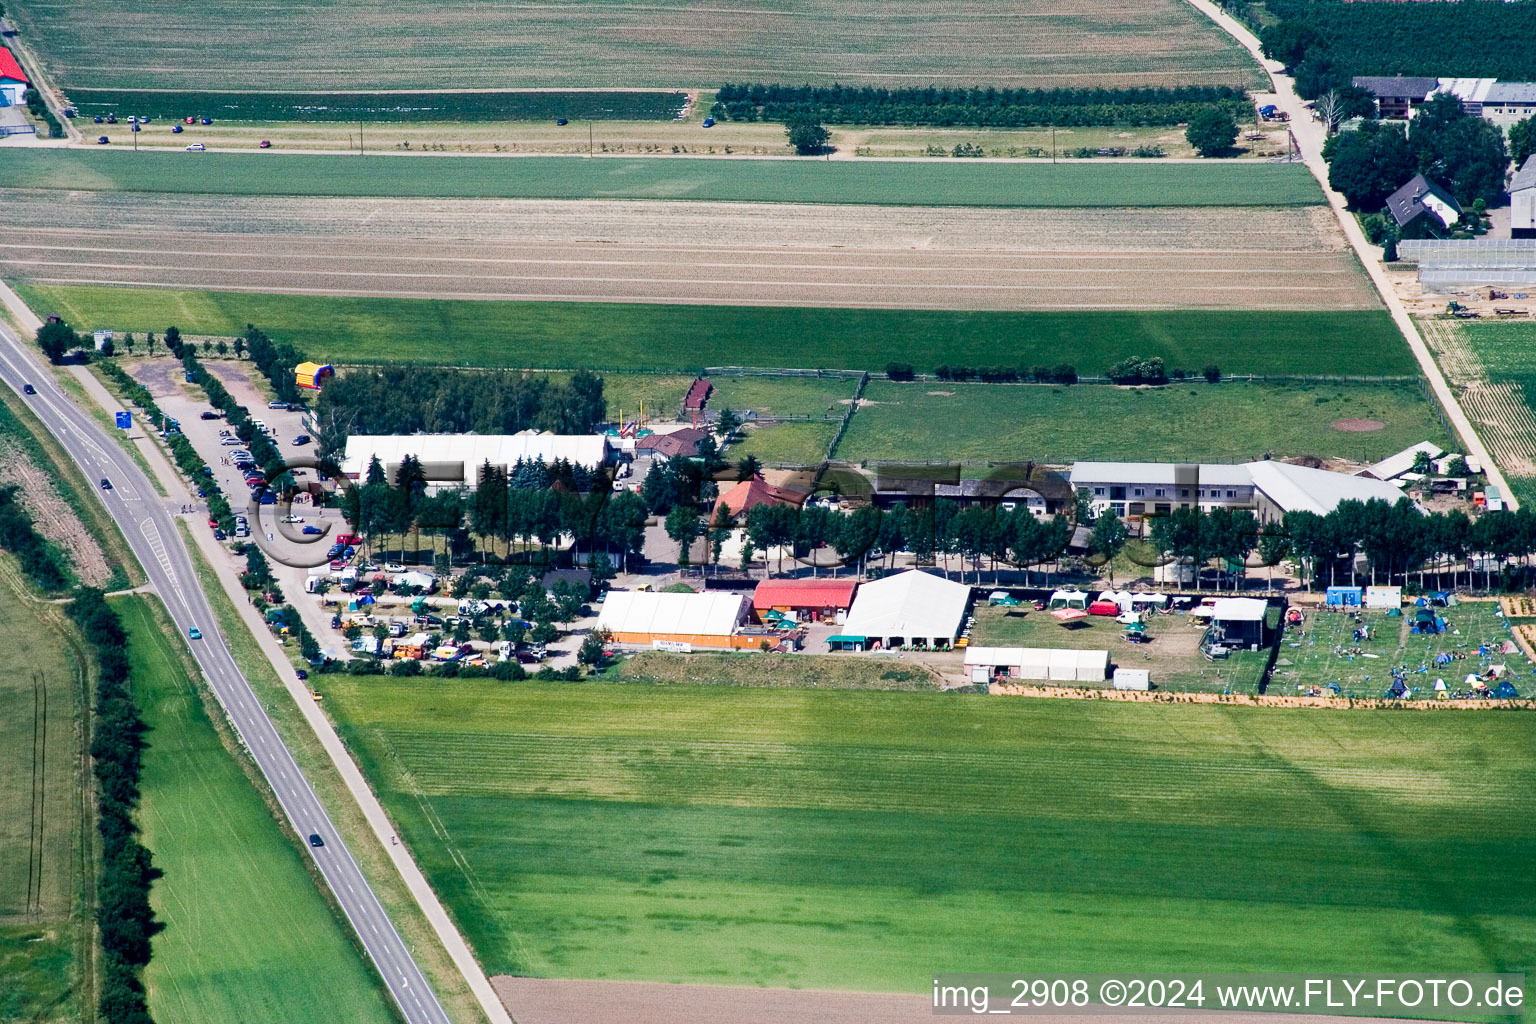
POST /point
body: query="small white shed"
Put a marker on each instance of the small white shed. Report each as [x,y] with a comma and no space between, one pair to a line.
[1133,679]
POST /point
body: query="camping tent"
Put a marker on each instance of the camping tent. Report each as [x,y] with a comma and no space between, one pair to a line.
[1069,599]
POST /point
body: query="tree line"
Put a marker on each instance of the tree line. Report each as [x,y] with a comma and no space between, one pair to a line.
[39,559]
[1000,108]
[124,918]
[414,399]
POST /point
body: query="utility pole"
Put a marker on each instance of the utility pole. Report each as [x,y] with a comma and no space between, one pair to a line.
[1053,143]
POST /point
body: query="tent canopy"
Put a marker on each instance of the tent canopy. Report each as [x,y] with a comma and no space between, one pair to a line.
[1239,609]
[909,605]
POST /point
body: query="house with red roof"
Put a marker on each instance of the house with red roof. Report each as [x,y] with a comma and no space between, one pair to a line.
[13,81]
[749,494]
[819,600]
[698,393]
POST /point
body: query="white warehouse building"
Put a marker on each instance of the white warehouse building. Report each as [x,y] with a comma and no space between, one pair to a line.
[453,460]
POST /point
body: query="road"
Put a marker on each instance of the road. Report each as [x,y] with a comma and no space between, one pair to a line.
[148,524]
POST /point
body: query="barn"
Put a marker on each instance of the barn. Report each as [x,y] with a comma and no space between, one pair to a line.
[806,600]
[13,81]
[678,622]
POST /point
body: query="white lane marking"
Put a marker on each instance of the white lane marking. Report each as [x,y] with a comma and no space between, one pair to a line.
[157,544]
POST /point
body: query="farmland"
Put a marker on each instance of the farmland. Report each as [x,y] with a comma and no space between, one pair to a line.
[219,44]
[815,839]
[248,935]
[397,107]
[1231,421]
[946,182]
[681,338]
[46,816]
[723,253]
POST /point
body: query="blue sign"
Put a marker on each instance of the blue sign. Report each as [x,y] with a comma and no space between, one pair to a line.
[125,421]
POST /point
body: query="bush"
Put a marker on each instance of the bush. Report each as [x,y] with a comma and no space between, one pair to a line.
[899,371]
[1137,370]
[1212,373]
[1212,132]
[808,137]
[406,667]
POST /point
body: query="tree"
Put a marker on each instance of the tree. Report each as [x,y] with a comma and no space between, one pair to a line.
[726,424]
[1212,132]
[55,339]
[1522,140]
[807,136]
[544,633]
[1370,164]
[239,347]
[1108,540]
[149,343]
[173,341]
[1212,373]
[222,348]
[682,526]
[591,651]
[748,466]
[108,349]
[1467,154]
[719,529]
[128,342]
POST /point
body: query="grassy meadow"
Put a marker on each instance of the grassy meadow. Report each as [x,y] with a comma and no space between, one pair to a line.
[47,816]
[1226,422]
[622,44]
[248,935]
[859,840]
[678,338]
[896,183]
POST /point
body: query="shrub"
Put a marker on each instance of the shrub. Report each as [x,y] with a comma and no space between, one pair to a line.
[899,371]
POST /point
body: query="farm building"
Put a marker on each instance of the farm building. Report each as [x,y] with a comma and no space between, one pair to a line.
[1396,96]
[1138,488]
[909,609]
[1423,209]
[815,600]
[682,443]
[698,395]
[1500,102]
[1522,200]
[676,621]
[749,494]
[312,375]
[455,460]
[1280,487]
[1238,621]
[984,664]
[1394,466]
[13,81]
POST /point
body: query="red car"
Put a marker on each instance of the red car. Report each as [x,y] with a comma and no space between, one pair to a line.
[349,539]
[1103,608]
[213,524]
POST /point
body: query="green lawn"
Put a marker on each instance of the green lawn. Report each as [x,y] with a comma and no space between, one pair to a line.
[862,840]
[45,828]
[941,183]
[670,338]
[1222,423]
[783,396]
[796,444]
[248,935]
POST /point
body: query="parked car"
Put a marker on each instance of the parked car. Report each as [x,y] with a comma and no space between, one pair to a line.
[302,439]
[218,534]
[292,519]
[351,539]
[208,414]
[709,122]
[176,129]
[206,120]
[393,567]
[562,121]
[266,143]
[99,120]
[312,531]
[300,674]
[102,140]
[275,404]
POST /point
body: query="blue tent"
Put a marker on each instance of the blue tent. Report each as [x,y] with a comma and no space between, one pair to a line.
[1505,691]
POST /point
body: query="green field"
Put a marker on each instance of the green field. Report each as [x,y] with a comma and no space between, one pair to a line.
[174,105]
[796,444]
[896,183]
[669,338]
[1227,422]
[619,44]
[46,814]
[859,840]
[247,934]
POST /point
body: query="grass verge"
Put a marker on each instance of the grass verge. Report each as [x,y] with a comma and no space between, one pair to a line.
[942,183]
[674,338]
[247,933]
[312,759]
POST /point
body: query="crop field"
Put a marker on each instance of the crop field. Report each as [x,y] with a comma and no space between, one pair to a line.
[173,105]
[816,839]
[1495,366]
[898,183]
[725,253]
[247,934]
[1228,422]
[618,44]
[673,338]
[1323,651]
[46,813]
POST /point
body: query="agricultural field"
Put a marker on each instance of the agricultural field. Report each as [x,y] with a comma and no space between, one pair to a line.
[681,338]
[47,813]
[1086,184]
[815,839]
[614,44]
[247,933]
[169,106]
[1228,422]
[1494,364]
[809,671]
[1284,258]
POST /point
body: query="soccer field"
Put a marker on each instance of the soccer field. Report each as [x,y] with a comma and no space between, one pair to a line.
[858,840]
[247,934]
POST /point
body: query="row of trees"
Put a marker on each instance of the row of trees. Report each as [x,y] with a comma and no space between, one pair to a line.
[124,918]
[1466,154]
[997,108]
[409,399]
[275,360]
[39,559]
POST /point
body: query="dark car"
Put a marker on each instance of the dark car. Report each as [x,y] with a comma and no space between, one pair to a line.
[209,415]
[562,122]
[28,389]
[102,140]
[106,484]
[218,534]
[176,129]
[301,439]
[301,674]
[315,840]
[99,120]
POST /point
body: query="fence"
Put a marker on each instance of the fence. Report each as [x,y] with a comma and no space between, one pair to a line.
[842,427]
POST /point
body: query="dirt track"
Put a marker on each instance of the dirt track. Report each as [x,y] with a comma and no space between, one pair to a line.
[688,252]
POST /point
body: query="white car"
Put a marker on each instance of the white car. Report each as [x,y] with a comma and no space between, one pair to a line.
[196,147]
[230,442]
[293,519]
[393,567]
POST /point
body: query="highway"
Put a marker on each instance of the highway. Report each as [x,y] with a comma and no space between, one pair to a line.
[147,522]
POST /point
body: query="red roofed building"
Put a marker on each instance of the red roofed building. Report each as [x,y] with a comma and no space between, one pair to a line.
[13,81]
[698,394]
[807,599]
[749,494]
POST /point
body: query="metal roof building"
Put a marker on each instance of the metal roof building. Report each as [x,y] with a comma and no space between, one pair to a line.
[693,620]
[1282,487]
[910,609]
[451,460]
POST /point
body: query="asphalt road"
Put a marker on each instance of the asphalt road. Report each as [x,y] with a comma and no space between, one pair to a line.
[146,521]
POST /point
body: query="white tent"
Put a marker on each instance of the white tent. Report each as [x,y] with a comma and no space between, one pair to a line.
[633,616]
[1069,599]
[1034,663]
[1156,599]
[912,608]
[1040,663]
[1239,609]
